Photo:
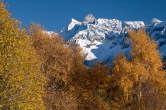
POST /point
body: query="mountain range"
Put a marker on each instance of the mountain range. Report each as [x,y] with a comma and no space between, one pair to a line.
[102,39]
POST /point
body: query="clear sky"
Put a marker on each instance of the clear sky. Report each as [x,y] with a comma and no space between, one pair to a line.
[56,14]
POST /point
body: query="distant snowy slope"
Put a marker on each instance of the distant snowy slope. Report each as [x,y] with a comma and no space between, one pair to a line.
[102,39]
[157,30]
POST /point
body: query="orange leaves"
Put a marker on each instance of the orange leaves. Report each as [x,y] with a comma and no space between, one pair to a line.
[64,67]
[144,70]
[59,61]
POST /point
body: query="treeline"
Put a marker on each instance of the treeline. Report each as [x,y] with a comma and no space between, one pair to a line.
[43,72]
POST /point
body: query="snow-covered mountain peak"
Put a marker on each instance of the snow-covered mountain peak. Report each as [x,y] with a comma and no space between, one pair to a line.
[73,23]
[102,39]
[98,29]
[155,21]
[110,25]
[89,19]
[134,24]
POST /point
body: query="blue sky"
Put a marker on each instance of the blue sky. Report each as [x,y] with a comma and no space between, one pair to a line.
[56,14]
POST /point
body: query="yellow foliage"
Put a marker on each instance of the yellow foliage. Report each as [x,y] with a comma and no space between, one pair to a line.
[70,84]
[58,61]
[136,82]
[21,82]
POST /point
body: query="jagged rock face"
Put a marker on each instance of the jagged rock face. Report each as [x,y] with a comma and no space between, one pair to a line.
[102,39]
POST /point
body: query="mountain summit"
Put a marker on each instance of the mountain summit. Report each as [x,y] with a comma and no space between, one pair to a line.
[102,39]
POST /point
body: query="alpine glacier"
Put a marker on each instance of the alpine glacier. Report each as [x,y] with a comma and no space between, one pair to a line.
[102,39]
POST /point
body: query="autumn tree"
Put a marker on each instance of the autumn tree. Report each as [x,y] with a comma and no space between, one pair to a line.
[71,85]
[22,84]
[90,85]
[58,59]
[138,83]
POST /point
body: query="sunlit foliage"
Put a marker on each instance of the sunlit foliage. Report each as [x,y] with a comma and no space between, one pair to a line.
[21,84]
[139,83]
